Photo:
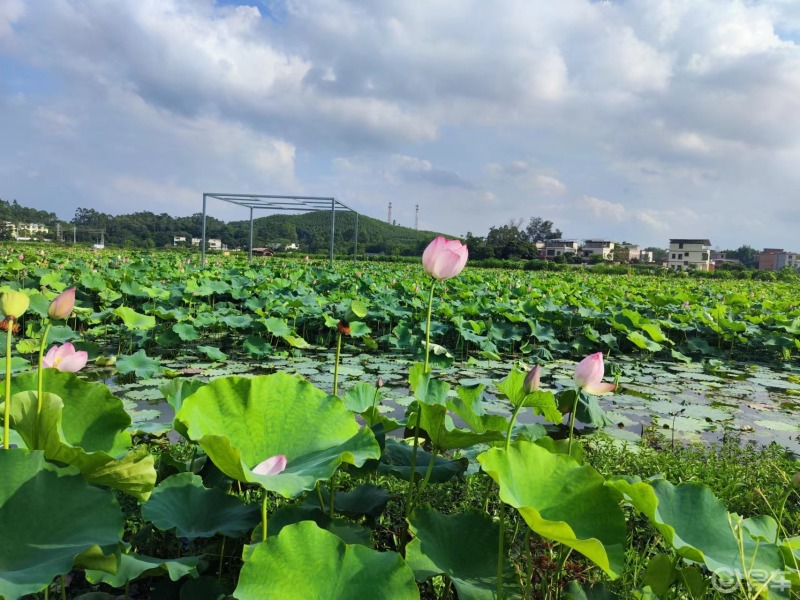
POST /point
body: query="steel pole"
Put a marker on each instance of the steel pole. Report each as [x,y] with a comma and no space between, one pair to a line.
[333,226]
[203,240]
[251,236]
[355,244]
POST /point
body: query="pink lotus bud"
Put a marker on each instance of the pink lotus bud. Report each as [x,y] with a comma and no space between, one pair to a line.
[589,375]
[65,358]
[21,256]
[444,258]
[379,383]
[307,259]
[62,305]
[531,383]
[271,466]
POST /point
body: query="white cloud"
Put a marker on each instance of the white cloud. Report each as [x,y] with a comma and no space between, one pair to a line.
[645,112]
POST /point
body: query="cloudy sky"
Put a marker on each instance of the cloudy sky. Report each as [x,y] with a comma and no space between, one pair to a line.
[635,120]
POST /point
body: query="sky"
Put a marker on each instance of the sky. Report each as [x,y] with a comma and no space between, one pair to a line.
[629,120]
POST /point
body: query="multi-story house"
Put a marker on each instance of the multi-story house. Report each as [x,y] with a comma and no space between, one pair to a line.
[628,252]
[646,256]
[592,248]
[772,259]
[555,248]
[685,254]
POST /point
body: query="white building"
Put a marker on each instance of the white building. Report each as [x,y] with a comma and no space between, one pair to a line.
[216,244]
[685,254]
[646,256]
[179,239]
[592,248]
[555,248]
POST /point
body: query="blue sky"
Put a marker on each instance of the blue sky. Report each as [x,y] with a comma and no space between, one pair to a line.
[638,120]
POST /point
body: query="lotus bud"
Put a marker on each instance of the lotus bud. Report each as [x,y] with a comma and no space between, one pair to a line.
[61,307]
[796,480]
[531,383]
[379,383]
[444,258]
[589,374]
[343,327]
[13,304]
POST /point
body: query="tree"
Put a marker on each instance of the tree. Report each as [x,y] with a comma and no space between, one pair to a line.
[508,241]
[539,230]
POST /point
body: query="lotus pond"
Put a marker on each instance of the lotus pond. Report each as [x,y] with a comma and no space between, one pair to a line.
[290,431]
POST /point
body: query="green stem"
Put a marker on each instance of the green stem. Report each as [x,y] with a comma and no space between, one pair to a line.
[336,365]
[428,327]
[572,422]
[332,494]
[264,518]
[428,472]
[410,495]
[7,410]
[500,542]
[63,588]
[40,384]
[511,425]
[221,557]
[321,501]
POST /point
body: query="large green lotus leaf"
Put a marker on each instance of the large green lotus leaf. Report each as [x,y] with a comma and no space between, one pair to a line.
[461,546]
[396,460]
[181,502]
[132,566]
[348,532]
[561,500]
[134,320]
[93,417]
[304,561]
[133,473]
[444,435]
[699,527]
[240,422]
[48,517]
[366,500]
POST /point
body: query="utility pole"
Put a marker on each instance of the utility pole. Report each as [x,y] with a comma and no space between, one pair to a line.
[74,235]
[416,219]
[389,219]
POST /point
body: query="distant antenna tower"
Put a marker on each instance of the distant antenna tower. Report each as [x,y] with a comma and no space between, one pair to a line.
[416,219]
[389,219]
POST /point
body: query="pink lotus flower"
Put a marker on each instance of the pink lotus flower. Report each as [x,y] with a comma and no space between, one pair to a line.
[444,258]
[65,358]
[589,375]
[61,307]
[271,466]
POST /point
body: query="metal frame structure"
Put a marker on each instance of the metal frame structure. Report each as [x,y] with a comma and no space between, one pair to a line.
[303,204]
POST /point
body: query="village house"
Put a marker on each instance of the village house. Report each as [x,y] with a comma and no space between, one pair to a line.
[685,254]
[602,248]
[773,259]
[555,248]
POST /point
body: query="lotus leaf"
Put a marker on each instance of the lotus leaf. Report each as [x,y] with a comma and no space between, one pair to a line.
[240,422]
[316,564]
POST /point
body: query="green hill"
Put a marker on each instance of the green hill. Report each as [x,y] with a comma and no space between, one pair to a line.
[312,230]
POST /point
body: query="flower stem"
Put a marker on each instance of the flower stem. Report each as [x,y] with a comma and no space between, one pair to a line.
[336,365]
[427,477]
[428,326]
[572,421]
[511,425]
[7,410]
[410,495]
[40,384]
[264,518]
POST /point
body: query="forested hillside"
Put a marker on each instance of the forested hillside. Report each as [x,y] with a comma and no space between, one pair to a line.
[149,230]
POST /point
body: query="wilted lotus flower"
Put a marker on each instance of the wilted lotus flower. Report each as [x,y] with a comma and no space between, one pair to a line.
[589,375]
[65,358]
[271,466]
[531,383]
[444,258]
[62,305]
